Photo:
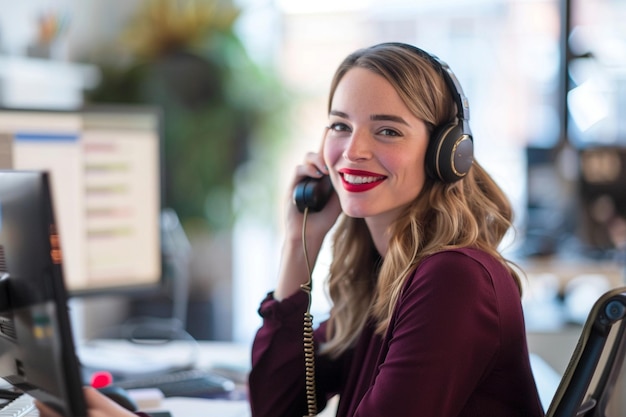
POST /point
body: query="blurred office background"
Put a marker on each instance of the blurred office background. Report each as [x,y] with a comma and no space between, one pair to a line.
[243,87]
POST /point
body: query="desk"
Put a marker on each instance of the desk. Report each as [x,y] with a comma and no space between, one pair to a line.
[198,407]
[224,356]
[567,268]
[121,355]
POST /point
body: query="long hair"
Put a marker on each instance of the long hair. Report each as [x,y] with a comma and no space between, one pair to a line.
[472,212]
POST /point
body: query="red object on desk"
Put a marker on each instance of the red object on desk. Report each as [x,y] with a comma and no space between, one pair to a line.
[101,379]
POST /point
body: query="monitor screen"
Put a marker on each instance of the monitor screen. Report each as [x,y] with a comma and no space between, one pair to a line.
[602,192]
[104,165]
[550,217]
[37,353]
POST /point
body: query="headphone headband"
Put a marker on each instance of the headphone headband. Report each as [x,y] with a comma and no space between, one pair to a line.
[454,86]
[462,103]
[450,151]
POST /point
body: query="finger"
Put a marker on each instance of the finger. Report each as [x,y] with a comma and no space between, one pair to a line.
[307,170]
[316,159]
[45,411]
[99,405]
[314,165]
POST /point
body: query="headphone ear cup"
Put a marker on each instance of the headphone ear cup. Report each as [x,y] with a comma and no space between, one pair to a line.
[450,153]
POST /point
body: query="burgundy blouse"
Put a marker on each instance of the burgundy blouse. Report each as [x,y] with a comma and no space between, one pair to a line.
[456,346]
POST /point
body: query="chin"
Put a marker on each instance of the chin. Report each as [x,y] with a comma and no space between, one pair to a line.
[357,212]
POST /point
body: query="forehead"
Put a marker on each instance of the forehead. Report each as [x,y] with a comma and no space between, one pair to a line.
[363,90]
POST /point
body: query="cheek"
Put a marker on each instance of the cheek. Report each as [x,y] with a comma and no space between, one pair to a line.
[413,171]
[419,163]
[331,152]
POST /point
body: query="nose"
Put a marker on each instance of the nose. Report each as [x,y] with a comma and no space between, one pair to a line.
[358,148]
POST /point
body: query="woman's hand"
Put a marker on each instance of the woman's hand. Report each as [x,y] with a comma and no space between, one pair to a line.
[318,223]
[293,269]
[98,405]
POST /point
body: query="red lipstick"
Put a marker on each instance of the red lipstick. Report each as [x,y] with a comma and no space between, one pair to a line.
[358,181]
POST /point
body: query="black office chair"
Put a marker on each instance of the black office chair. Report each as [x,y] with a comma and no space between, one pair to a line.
[591,375]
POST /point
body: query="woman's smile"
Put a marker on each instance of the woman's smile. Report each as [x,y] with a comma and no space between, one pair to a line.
[357,181]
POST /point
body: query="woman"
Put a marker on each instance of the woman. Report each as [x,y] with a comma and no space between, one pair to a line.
[426,317]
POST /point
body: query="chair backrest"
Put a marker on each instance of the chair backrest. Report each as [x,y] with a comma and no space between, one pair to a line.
[588,381]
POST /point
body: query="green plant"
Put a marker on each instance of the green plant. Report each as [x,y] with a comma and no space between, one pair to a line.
[219,106]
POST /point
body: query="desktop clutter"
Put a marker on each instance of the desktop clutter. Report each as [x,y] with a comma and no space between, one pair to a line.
[551,305]
[169,377]
[149,394]
[147,391]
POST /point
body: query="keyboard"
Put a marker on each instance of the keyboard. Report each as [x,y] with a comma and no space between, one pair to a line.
[184,383]
[22,406]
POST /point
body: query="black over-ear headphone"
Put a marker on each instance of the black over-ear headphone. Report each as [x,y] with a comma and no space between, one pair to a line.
[450,151]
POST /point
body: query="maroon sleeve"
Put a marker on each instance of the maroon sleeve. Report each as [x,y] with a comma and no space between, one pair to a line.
[276,381]
[442,339]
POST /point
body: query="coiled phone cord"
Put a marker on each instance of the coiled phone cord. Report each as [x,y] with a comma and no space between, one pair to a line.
[309,348]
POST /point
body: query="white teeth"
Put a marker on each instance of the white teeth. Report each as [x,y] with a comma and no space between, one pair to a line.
[355,179]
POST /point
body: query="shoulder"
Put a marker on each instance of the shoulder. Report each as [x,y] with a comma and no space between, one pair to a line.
[464,270]
[459,280]
[462,260]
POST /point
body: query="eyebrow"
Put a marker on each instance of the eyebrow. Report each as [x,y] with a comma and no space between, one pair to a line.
[388,117]
[339,114]
[374,117]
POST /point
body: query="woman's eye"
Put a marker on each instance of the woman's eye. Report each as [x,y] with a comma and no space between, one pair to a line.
[389,132]
[339,127]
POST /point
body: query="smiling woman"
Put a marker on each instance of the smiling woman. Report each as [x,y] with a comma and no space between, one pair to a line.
[411,249]
[374,144]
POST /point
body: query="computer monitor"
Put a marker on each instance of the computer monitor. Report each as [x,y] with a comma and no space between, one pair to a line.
[576,201]
[602,193]
[105,172]
[550,218]
[37,353]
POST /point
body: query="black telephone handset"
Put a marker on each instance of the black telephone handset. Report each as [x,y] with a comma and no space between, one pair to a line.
[312,193]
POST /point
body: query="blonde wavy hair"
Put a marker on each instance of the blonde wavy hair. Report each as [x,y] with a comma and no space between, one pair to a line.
[472,212]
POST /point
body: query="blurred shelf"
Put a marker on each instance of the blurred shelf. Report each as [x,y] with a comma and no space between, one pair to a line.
[41,83]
